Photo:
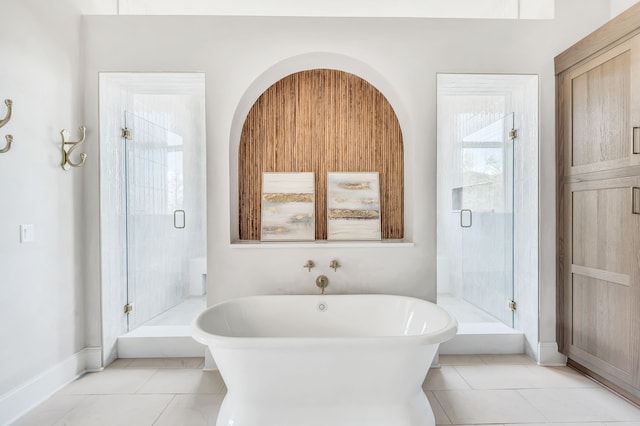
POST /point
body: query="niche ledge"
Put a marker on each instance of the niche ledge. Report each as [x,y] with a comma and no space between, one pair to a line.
[319,244]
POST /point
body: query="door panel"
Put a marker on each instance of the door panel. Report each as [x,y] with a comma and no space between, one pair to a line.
[598,308]
[601,323]
[601,112]
[600,100]
[486,218]
[156,268]
[601,237]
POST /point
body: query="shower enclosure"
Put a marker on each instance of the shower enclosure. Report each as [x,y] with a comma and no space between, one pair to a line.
[153,204]
[487,200]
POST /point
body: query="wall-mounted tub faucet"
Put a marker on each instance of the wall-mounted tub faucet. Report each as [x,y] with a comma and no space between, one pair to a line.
[322,282]
[334,264]
[309,265]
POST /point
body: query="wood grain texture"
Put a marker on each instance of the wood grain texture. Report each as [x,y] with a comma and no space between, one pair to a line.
[600,281]
[601,109]
[321,121]
[616,31]
[602,322]
[562,134]
[598,236]
[601,223]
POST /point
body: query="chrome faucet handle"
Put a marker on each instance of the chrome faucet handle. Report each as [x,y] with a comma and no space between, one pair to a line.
[334,264]
[309,265]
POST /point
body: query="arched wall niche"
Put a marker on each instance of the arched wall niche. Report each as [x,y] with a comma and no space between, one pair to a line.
[344,123]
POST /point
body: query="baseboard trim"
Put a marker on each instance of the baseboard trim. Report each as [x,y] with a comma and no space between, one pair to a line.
[548,355]
[23,398]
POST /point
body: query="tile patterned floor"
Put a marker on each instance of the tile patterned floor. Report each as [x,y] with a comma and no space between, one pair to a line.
[496,390]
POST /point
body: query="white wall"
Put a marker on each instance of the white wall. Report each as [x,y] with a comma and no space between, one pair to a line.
[401,57]
[42,303]
[619,6]
[501,9]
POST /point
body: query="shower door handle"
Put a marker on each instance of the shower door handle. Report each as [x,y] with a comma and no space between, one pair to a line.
[179,219]
[462,225]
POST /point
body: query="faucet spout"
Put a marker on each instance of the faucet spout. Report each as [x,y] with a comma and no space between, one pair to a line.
[322,282]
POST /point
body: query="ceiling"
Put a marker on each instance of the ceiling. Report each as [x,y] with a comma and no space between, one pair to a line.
[478,9]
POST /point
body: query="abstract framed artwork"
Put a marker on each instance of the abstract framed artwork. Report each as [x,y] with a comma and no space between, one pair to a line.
[353,206]
[288,207]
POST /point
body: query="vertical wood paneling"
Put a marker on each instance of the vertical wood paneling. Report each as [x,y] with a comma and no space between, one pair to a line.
[321,121]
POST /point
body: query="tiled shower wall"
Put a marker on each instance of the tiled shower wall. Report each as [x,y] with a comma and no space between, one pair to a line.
[159,254]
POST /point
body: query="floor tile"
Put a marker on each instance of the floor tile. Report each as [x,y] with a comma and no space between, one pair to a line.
[444,378]
[522,377]
[179,381]
[165,362]
[487,406]
[51,410]
[110,381]
[460,360]
[438,412]
[507,359]
[120,363]
[560,424]
[116,410]
[466,390]
[581,405]
[192,410]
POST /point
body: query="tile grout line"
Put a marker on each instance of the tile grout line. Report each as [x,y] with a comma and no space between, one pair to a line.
[548,420]
[164,409]
[441,407]
[146,381]
[463,378]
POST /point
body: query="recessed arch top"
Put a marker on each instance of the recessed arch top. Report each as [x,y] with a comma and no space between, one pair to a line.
[321,120]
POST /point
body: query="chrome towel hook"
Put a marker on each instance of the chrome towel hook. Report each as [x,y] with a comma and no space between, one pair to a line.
[66,160]
[5,120]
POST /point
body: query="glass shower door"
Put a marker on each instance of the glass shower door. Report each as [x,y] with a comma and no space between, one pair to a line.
[486,218]
[155,219]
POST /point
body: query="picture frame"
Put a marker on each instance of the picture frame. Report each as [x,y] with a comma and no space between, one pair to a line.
[353,206]
[288,206]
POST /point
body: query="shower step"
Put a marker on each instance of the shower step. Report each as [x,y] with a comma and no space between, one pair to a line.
[159,342]
[176,341]
[484,338]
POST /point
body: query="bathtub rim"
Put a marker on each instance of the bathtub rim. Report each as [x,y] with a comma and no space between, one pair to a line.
[447,332]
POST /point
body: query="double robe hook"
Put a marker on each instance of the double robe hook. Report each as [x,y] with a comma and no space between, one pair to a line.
[5,120]
[66,159]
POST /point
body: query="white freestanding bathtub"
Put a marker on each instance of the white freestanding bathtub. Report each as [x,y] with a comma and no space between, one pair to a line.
[331,360]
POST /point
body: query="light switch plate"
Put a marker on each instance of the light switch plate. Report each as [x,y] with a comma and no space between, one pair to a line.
[27,233]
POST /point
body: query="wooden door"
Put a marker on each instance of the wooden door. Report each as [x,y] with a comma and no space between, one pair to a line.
[601,236]
[599,102]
